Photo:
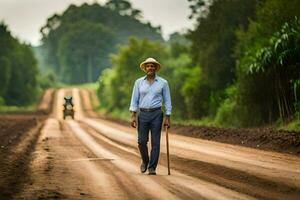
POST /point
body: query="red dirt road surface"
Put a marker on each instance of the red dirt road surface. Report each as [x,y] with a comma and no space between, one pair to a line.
[94,158]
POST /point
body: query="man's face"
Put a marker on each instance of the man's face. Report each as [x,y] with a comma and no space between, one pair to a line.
[150,68]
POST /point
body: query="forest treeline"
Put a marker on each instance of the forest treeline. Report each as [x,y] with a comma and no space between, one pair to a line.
[77,43]
[238,67]
[75,48]
[19,83]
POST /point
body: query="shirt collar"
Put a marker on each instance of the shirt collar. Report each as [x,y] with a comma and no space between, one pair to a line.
[156,77]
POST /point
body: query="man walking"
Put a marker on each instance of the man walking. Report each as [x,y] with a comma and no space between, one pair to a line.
[149,92]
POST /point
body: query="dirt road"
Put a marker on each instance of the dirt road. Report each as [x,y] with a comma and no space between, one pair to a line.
[91,158]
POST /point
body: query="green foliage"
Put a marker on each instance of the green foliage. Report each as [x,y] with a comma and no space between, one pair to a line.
[213,42]
[90,86]
[192,95]
[176,70]
[292,126]
[23,86]
[82,51]
[4,74]
[252,49]
[283,49]
[227,114]
[115,84]
[78,42]
[276,64]
[18,69]
[199,8]
[2,101]
[47,80]
[124,8]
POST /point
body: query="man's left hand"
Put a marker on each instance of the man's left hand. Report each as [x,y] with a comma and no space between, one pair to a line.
[167,122]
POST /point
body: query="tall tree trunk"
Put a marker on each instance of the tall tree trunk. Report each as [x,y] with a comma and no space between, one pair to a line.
[89,70]
[278,94]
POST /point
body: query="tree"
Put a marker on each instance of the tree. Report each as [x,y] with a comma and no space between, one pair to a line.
[18,70]
[121,6]
[60,38]
[115,85]
[6,43]
[213,42]
[277,64]
[259,51]
[83,51]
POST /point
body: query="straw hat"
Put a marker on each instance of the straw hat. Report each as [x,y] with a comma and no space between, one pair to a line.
[150,60]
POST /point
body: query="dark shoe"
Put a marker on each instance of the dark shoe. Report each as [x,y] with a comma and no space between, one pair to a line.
[144,167]
[152,171]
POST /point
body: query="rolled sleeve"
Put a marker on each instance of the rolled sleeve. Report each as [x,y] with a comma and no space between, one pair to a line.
[167,98]
[134,98]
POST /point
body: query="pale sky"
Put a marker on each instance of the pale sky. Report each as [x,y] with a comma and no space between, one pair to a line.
[25,17]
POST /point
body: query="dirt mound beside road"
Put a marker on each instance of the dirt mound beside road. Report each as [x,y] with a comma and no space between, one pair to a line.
[261,138]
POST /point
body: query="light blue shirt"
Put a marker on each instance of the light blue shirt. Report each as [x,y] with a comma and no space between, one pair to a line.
[145,95]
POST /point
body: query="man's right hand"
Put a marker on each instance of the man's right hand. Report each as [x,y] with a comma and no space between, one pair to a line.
[133,123]
[133,120]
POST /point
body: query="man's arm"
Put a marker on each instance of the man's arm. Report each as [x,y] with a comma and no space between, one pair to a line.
[134,104]
[168,104]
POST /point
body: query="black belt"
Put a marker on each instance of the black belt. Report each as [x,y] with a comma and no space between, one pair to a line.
[149,109]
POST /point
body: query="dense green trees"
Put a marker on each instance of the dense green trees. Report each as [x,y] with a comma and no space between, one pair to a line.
[83,51]
[276,65]
[78,42]
[239,68]
[213,42]
[116,83]
[266,67]
[18,71]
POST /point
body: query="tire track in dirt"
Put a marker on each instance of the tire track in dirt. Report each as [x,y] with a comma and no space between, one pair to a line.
[131,155]
[113,183]
[120,163]
[152,184]
[63,168]
[242,181]
[16,172]
[227,194]
[273,168]
[232,179]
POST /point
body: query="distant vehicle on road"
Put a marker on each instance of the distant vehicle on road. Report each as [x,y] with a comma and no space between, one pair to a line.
[68,107]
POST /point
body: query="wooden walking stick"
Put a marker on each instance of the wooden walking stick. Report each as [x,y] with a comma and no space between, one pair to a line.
[168,156]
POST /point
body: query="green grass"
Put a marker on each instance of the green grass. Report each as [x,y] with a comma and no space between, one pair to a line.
[125,115]
[28,108]
[12,109]
[92,86]
[291,126]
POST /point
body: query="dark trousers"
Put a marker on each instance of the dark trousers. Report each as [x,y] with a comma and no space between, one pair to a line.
[150,121]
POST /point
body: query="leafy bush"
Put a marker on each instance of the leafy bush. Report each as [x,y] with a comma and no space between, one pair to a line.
[228,113]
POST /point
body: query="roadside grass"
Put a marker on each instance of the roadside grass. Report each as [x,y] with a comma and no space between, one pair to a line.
[11,109]
[14,109]
[291,126]
[91,86]
[123,115]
